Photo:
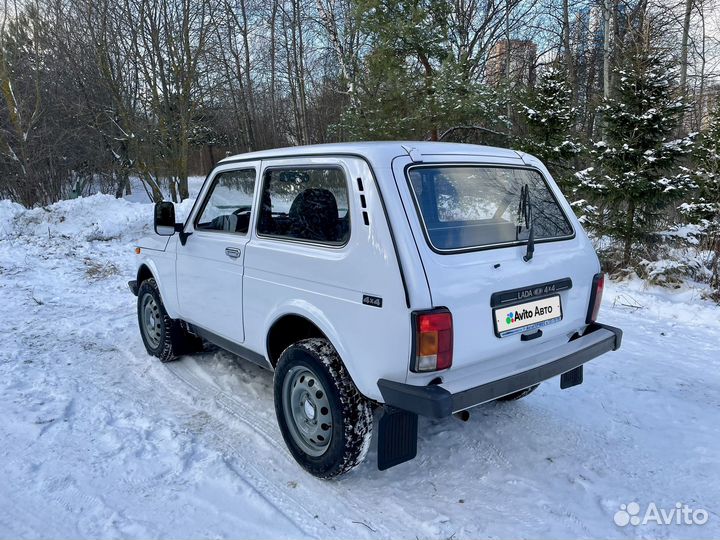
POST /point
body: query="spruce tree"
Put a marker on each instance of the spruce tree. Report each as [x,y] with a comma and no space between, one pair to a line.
[637,172]
[703,206]
[550,118]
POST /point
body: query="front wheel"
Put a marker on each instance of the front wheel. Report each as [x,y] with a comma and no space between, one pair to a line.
[163,337]
[325,421]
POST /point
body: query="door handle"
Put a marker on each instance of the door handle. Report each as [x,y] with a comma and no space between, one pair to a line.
[232,252]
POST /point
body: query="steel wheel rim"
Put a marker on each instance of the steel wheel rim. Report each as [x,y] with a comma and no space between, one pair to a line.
[151,318]
[307,412]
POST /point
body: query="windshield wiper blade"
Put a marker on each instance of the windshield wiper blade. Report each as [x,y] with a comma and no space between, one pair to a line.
[527,215]
[530,244]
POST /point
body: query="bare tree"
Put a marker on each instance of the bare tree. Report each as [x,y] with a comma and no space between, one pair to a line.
[608,11]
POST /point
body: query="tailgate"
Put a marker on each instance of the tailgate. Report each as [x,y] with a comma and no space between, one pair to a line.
[474,280]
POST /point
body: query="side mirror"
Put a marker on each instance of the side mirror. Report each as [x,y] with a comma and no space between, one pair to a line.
[164,218]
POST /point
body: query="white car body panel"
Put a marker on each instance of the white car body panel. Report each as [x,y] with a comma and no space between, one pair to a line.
[161,265]
[156,242]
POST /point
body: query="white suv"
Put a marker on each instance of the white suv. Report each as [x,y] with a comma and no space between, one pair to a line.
[419,278]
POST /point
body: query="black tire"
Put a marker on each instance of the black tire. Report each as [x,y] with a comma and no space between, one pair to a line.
[519,394]
[351,415]
[168,339]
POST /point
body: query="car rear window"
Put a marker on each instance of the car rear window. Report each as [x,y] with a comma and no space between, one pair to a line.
[467,207]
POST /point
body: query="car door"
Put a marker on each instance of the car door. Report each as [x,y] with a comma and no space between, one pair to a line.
[210,264]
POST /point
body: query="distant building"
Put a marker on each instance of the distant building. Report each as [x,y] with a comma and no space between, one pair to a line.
[523,54]
[588,30]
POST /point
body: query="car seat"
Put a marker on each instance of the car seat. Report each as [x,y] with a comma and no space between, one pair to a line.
[314,216]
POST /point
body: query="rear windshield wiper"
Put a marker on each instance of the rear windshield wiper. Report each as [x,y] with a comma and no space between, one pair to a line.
[526,213]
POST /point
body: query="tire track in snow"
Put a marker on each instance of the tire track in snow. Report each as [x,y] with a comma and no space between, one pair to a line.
[232,405]
[248,472]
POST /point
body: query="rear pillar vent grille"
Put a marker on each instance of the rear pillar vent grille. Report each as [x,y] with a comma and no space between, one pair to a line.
[363,202]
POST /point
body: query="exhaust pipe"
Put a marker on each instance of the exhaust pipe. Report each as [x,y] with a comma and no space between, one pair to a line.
[462,415]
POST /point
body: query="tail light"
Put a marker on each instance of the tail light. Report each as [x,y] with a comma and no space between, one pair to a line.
[598,284]
[433,344]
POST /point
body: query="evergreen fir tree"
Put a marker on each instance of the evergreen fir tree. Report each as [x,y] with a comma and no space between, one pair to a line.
[550,118]
[637,173]
[703,206]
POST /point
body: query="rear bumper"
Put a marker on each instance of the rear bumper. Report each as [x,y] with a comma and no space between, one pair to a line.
[437,402]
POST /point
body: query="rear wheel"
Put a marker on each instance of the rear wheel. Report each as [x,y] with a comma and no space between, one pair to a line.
[163,337]
[519,394]
[326,423]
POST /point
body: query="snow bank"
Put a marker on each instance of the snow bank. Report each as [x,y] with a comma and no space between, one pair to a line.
[8,213]
[97,217]
[679,305]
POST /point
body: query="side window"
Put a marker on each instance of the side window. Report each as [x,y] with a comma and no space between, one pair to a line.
[229,203]
[308,203]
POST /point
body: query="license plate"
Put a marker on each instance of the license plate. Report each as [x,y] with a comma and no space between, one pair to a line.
[518,318]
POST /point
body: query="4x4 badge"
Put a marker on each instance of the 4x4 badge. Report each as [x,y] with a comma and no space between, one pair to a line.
[374,301]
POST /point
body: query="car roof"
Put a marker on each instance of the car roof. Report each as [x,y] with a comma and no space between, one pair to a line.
[379,151]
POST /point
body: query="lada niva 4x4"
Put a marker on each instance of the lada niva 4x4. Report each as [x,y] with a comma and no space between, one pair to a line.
[415,278]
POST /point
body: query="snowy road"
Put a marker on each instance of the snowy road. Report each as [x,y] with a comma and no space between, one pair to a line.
[99,440]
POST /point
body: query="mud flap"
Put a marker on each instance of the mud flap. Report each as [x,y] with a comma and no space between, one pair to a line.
[397,437]
[571,378]
[188,343]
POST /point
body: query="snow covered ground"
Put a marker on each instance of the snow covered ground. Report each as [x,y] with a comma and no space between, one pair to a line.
[100,440]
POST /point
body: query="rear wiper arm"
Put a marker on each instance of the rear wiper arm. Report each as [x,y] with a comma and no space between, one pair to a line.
[527,215]
[530,243]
